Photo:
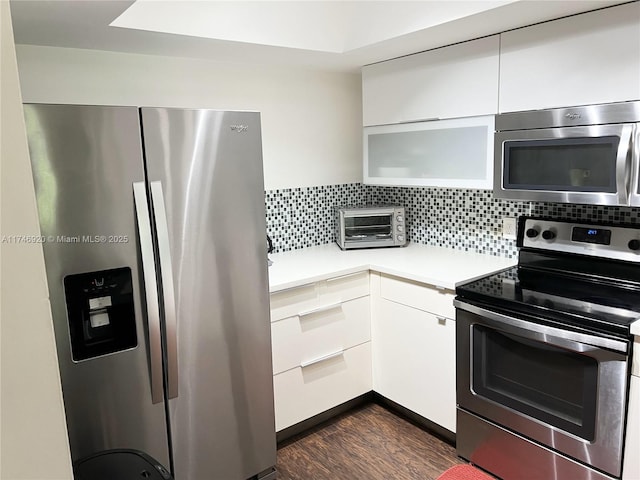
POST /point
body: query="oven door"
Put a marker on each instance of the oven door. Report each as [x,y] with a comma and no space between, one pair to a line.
[563,389]
[590,164]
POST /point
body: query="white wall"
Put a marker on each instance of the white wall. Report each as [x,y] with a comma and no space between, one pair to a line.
[32,423]
[312,120]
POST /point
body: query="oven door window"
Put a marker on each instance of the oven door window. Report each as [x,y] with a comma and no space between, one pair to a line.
[368,228]
[555,386]
[562,164]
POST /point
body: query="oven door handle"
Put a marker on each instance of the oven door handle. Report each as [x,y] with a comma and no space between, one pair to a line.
[567,339]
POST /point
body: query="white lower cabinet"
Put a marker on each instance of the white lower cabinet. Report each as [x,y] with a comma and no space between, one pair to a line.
[321,341]
[631,466]
[340,338]
[414,361]
[414,347]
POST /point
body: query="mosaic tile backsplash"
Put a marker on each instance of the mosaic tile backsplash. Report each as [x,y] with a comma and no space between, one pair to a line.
[462,219]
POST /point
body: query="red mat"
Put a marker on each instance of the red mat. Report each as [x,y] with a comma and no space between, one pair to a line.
[464,472]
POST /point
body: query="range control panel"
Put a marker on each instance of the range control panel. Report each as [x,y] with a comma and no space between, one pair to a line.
[597,240]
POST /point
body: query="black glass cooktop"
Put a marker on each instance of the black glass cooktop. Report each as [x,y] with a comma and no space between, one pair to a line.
[559,298]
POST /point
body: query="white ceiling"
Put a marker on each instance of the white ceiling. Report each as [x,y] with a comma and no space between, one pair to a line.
[327,26]
[331,35]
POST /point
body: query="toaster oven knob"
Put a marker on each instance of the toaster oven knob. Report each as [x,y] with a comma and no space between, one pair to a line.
[634,244]
[532,233]
[400,228]
[400,238]
[548,235]
[399,219]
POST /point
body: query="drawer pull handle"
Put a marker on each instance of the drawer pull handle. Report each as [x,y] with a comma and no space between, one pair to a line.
[321,359]
[320,309]
[293,289]
[343,277]
[442,320]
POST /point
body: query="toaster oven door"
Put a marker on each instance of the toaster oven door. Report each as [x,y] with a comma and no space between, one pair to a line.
[370,230]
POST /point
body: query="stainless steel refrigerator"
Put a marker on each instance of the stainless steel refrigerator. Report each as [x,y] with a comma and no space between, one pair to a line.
[153,228]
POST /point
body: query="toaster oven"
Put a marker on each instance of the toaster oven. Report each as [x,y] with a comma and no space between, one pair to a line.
[370,227]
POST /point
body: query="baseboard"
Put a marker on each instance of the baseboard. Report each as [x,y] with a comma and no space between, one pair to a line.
[309,425]
[418,420]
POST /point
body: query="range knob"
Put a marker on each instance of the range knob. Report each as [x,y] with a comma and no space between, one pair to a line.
[634,244]
[531,233]
[548,235]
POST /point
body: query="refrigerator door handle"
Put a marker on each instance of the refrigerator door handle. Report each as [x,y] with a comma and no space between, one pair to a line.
[166,274]
[151,290]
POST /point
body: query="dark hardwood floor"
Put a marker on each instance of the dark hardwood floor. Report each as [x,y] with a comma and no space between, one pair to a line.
[369,443]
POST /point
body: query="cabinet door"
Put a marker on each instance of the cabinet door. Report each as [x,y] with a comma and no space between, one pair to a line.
[447,153]
[414,361]
[455,81]
[580,60]
[631,468]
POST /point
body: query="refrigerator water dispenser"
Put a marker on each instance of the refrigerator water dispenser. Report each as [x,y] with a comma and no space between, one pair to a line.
[100,312]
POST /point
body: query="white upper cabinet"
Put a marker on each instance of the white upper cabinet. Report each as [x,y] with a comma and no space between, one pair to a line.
[580,60]
[455,81]
[443,153]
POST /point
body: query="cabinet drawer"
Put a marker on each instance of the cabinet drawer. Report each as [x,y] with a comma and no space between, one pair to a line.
[345,287]
[318,332]
[293,301]
[418,295]
[303,392]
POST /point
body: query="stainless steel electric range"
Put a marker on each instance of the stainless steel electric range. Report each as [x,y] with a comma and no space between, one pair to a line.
[543,354]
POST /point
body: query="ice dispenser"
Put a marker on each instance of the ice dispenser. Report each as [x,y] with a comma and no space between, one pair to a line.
[101,313]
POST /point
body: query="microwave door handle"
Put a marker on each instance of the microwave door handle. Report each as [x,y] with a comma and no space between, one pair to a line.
[634,181]
[168,293]
[623,169]
[151,290]
[575,341]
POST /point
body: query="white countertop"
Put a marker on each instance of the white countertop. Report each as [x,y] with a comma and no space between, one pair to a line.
[441,267]
[438,266]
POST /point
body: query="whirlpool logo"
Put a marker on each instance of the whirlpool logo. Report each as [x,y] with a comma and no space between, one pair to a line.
[573,116]
[239,128]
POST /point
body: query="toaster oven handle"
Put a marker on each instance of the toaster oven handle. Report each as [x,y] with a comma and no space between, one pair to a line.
[568,339]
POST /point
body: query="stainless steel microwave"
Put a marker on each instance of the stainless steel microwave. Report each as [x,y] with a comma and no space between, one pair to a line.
[588,154]
[369,227]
